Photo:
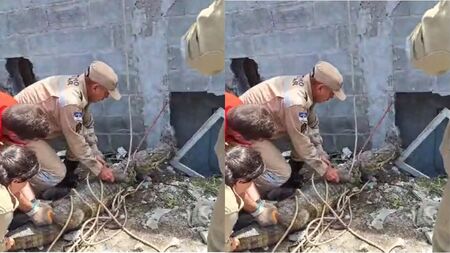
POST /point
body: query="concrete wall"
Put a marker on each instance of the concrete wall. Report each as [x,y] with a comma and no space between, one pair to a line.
[64,36]
[288,37]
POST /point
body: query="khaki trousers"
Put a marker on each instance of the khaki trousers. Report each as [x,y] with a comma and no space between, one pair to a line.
[52,170]
[277,170]
[441,232]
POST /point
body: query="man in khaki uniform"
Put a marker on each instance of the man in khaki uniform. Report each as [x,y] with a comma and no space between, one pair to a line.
[429,50]
[8,203]
[291,101]
[66,100]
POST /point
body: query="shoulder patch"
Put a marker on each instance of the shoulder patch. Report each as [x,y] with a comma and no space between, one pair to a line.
[303,117]
[78,116]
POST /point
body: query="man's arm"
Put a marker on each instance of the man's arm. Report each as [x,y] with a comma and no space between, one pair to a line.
[71,120]
[89,133]
[296,121]
[314,133]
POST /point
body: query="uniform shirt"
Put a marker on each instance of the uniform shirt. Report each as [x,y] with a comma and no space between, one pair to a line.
[8,203]
[289,99]
[64,99]
[6,101]
[225,216]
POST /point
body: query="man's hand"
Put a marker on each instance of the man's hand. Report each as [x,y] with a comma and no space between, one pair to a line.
[269,215]
[332,175]
[106,174]
[234,243]
[9,243]
[101,160]
[324,158]
[43,216]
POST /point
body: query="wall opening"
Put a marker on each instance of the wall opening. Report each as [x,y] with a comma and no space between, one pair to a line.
[21,74]
[246,75]
[413,112]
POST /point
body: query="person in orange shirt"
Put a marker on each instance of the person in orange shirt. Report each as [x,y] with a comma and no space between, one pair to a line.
[20,124]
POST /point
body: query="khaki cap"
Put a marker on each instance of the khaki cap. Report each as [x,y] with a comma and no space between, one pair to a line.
[104,75]
[327,74]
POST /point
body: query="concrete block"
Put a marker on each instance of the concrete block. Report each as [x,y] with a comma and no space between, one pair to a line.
[420,7]
[321,110]
[105,12]
[175,59]
[178,27]
[74,41]
[326,125]
[115,59]
[299,15]
[400,59]
[236,6]
[348,140]
[360,84]
[120,107]
[402,27]
[411,81]
[343,36]
[286,64]
[34,3]
[124,141]
[61,65]
[134,84]
[118,35]
[329,144]
[104,143]
[401,10]
[13,47]
[186,81]
[27,21]
[256,21]
[330,13]
[238,47]
[178,8]
[297,41]
[338,108]
[3,26]
[193,7]
[67,15]
[9,5]
[346,124]
[96,109]
[340,59]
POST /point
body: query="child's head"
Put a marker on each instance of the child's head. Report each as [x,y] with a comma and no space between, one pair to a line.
[17,165]
[242,165]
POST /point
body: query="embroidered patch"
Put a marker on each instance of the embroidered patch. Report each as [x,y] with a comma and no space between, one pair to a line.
[298,81]
[303,117]
[78,116]
[73,81]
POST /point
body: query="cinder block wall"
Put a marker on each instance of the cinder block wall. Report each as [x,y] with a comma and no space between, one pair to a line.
[64,36]
[288,37]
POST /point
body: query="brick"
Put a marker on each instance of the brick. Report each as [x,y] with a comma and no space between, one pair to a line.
[420,7]
[257,21]
[61,65]
[105,12]
[13,47]
[401,10]
[341,60]
[120,108]
[9,5]
[115,59]
[400,59]
[411,81]
[178,27]
[74,41]
[330,13]
[402,27]
[239,47]
[27,21]
[293,16]
[67,15]
[296,41]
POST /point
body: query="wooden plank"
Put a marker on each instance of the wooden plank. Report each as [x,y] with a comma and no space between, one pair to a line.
[425,133]
[411,170]
[190,172]
[219,113]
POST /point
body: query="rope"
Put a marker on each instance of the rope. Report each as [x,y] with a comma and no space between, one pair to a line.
[64,227]
[290,225]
